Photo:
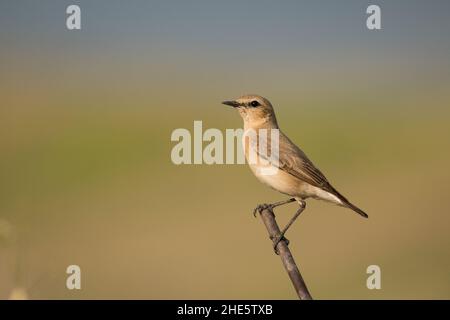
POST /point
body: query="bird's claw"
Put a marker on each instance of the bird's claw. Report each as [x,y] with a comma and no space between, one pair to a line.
[260,207]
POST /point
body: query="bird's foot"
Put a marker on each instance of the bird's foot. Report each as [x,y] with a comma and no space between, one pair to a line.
[276,240]
[271,206]
[260,207]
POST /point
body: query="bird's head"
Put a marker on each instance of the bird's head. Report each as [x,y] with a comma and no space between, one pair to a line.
[253,109]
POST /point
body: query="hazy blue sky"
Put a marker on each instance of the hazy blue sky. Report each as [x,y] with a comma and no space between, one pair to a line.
[218,25]
[249,45]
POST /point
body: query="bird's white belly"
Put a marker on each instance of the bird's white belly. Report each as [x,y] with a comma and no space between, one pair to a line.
[290,185]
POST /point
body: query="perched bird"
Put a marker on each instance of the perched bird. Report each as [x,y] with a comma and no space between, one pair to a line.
[295,174]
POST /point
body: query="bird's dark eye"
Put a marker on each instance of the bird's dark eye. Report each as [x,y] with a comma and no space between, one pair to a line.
[254,103]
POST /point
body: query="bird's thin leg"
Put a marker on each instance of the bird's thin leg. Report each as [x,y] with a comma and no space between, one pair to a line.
[264,206]
[281,236]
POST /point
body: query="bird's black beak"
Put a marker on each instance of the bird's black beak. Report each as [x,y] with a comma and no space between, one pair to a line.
[232,103]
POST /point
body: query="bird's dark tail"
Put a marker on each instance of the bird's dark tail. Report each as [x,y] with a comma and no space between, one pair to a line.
[356,209]
[348,204]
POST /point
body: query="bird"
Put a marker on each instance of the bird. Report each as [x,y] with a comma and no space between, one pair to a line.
[295,174]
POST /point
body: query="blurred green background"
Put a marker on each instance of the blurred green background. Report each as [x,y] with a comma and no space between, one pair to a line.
[85,170]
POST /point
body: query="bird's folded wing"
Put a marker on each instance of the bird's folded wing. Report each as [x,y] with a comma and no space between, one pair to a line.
[293,161]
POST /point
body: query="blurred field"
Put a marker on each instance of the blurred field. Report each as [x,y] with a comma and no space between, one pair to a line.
[86,176]
[98,189]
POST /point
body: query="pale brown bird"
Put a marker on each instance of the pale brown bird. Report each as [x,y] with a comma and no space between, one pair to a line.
[294,174]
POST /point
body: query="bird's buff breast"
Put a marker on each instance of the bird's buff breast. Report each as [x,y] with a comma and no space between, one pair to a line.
[271,175]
